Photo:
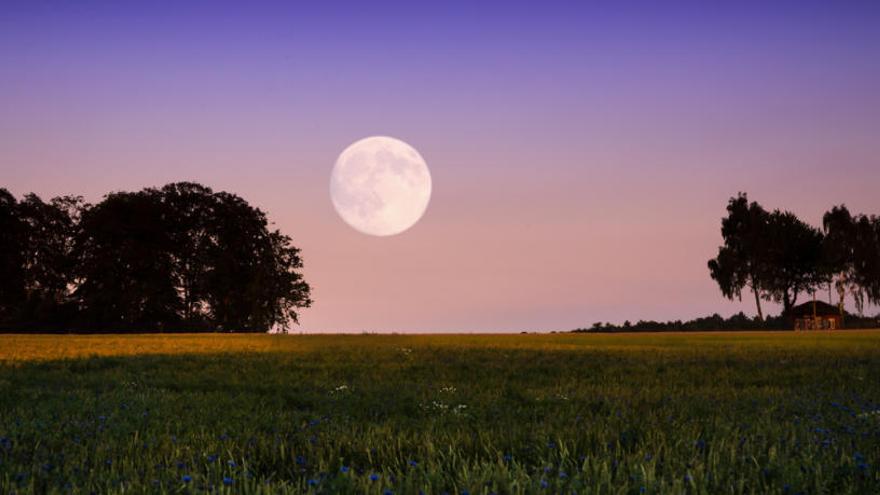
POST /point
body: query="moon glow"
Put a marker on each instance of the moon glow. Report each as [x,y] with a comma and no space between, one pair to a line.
[380,186]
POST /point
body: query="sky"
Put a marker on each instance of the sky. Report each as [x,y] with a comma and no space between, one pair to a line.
[582,154]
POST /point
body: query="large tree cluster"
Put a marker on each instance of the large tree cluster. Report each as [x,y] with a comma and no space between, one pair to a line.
[179,258]
[777,256]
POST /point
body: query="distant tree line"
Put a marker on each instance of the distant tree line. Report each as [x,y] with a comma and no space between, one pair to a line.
[777,257]
[179,258]
[738,321]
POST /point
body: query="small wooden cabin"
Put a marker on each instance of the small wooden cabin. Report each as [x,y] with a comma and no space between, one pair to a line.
[816,315]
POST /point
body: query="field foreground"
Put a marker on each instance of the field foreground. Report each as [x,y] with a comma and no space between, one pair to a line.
[647,413]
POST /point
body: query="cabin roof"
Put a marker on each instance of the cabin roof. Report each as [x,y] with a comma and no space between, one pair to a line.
[806,310]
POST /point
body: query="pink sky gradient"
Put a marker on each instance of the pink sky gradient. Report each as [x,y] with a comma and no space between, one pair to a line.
[576,177]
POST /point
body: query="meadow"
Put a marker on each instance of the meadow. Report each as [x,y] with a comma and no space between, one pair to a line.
[726,413]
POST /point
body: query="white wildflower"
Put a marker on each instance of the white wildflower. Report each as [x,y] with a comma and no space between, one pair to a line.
[340,389]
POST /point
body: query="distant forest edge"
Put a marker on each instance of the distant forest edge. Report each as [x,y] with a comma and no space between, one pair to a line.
[182,258]
[737,322]
[775,256]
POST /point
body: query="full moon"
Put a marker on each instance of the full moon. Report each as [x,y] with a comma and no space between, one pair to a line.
[380,186]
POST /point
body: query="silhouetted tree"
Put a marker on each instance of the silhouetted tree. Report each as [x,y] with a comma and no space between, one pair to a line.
[49,230]
[252,283]
[838,250]
[125,264]
[192,224]
[794,255]
[11,260]
[866,257]
[741,261]
[178,258]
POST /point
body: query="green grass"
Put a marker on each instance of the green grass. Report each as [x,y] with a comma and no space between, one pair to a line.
[654,413]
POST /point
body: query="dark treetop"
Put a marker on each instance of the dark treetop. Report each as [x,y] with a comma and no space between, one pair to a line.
[777,256]
[179,258]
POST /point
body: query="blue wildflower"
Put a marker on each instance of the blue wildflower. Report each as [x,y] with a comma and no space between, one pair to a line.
[300,460]
[413,463]
[563,475]
[344,469]
[231,463]
[228,481]
[186,478]
[213,457]
[544,484]
[374,477]
[313,482]
[387,492]
[688,478]
[508,457]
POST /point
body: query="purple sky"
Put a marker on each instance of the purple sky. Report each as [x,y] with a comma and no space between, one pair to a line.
[581,156]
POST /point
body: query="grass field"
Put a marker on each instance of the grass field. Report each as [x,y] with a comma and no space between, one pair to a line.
[649,413]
